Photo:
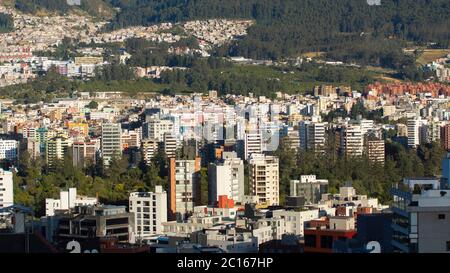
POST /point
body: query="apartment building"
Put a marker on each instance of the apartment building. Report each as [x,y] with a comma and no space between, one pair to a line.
[264,179]
[84,153]
[56,149]
[309,188]
[156,128]
[149,149]
[6,189]
[150,211]
[8,149]
[184,187]
[253,144]
[350,140]
[111,142]
[226,178]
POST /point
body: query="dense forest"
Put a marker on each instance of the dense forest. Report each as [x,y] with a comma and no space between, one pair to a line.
[6,23]
[98,8]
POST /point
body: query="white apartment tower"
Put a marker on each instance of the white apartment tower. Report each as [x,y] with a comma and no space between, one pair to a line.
[6,189]
[350,141]
[414,132]
[150,211]
[253,144]
[264,179]
[226,178]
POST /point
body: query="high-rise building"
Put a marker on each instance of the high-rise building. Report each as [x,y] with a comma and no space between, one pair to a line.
[150,211]
[84,153]
[375,150]
[149,149]
[445,136]
[131,139]
[6,189]
[57,148]
[184,186]
[170,144]
[349,140]
[414,132]
[253,144]
[316,137]
[421,214]
[226,178]
[156,128]
[264,179]
[312,136]
[8,149]
[111,144]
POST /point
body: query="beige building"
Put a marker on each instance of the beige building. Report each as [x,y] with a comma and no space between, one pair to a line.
[264,179]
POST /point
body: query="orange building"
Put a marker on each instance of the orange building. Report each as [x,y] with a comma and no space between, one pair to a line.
[184,186]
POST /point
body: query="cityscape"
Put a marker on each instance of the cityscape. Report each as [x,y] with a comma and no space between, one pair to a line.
[198,127]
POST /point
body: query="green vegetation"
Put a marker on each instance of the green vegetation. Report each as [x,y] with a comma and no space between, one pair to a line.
[290,27]
[6,23]
[370,179]
[97,8]
[35,181]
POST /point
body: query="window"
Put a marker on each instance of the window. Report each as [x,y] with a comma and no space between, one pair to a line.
[441,216]
[326,242]
[310,240]
[448,245]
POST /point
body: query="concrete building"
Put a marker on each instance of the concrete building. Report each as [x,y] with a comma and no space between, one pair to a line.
[150,211]
[67,200]
[264,179]
[375,150]
[226,178]
[170,144]
[414,125]
[111,143]
[312,136]
[93,222]
[149,149]
[56,149]
[309,187]
[6,189]
[295,220]
[8,149]
[84,153]
[445,136]
[184,187]
[253,144]
[156,128]
[350,140]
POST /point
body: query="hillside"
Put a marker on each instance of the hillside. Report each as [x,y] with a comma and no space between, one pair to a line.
[96,8]
[289,27]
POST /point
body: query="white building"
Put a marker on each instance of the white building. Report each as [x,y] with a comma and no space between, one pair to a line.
[6,189]
[150,211]
[351,141]
[8,149]
[295,220]
[414,132]
[253,144]
[156,128]
[67,200]
[226,178]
